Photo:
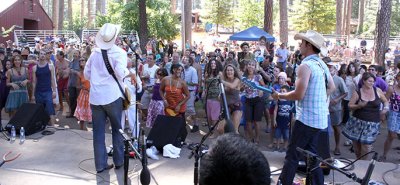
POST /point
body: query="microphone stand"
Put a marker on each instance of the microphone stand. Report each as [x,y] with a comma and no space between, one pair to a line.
[198,154]
[353,176]
[2,130]
[228,125]
[127,142]
[136,86]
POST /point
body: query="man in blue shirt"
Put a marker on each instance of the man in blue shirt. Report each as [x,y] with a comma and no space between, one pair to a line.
[313,85]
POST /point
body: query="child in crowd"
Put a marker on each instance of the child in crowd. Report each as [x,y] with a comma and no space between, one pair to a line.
[283,114]
[83,112]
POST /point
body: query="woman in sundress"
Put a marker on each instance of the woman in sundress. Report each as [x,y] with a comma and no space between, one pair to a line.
[83,112]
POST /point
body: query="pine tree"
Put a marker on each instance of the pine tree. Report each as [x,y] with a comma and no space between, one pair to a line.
[268,16]
[382,30]
[219,12]
[251,13]
[318,15]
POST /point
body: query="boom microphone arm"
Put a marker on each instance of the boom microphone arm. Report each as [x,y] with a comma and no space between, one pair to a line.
[353,176]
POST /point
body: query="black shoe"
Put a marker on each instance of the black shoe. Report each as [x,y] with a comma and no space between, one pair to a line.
[109,166]
[194,129]
[69,116]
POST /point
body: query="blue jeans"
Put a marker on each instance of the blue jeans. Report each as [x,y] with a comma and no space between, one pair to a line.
[306,138]
[99,115]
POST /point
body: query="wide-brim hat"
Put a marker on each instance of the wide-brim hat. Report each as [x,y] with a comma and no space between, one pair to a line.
[105,38]
[314,38]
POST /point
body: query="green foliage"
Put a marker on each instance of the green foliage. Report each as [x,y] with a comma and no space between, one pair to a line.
[161,23]
[219,12]
[251,13]
[113,15]
[78,24]
[371,9]
[319,15]
[395,19]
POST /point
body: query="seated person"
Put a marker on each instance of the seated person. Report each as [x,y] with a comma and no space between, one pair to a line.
[234,161]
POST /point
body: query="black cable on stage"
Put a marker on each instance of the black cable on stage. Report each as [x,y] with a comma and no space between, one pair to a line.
[95,174]
[384,174]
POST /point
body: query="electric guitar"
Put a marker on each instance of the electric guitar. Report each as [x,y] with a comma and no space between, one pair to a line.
[255,86]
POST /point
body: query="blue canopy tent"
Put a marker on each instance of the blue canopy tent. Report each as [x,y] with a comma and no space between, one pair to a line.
[252,34]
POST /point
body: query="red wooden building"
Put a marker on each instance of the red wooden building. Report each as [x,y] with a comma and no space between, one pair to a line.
[25,15]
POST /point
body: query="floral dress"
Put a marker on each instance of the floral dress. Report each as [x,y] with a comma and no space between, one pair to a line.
[17,97]
[83,111]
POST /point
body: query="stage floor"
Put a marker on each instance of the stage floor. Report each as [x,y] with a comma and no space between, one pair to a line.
[66,157]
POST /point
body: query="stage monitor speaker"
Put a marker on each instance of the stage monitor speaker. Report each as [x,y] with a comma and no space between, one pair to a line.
[30,116]
[167,130]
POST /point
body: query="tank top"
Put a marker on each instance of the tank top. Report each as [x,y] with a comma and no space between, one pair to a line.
[232,96]
[43,78]
[371,111]
[213,88]
[395,102]
[174,95]
[17,79]
[156,92]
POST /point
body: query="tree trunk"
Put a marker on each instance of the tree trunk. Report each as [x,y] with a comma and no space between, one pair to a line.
[55,14]
[361,16]
[143,30]
[187,12]
[283,24]
[173,6]
[339,6]
[89,13]
[70,19]
[344,18]
[98,7]
[82,9]
[348,25]
[103,7]
[382,31]
[61,15]
[268,16]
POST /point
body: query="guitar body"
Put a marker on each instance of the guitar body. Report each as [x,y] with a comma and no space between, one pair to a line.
[255,86]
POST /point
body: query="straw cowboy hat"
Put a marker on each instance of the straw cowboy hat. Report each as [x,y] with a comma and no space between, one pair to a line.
[314,38]
[105,38]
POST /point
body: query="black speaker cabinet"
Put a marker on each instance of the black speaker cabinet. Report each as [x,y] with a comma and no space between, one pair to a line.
[167,130]
[30,116]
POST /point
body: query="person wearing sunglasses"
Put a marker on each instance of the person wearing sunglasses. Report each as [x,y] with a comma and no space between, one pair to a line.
[379,82]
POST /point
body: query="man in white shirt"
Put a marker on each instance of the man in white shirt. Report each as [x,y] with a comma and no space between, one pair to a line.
[105,96]
[192,81]
[148,78]
[282,53]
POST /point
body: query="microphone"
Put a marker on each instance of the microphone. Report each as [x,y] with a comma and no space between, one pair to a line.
[228,125]
[306,152]
[371,167]
[124,135]
[145,173]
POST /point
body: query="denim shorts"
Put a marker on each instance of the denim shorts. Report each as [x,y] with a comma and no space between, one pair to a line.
[394,121]
[281,133]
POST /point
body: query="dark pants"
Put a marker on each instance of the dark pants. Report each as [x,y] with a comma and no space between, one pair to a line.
[346,111]
[73,96]
[306,138]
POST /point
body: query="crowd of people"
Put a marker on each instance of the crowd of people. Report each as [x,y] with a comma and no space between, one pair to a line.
[354,98]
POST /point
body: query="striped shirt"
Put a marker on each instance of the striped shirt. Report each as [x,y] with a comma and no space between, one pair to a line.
[312,110]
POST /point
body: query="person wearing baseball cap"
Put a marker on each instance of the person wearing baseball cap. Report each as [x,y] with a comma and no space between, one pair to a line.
[312,87]
[105,97]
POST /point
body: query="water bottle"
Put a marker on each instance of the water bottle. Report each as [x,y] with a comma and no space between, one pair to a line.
[22,135]
[13,133]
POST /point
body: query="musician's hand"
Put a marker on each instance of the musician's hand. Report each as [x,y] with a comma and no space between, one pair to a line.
[274,94]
